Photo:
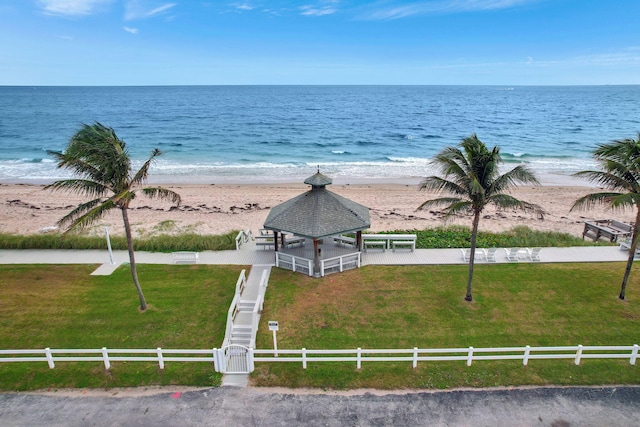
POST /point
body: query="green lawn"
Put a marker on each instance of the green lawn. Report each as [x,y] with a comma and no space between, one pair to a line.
[423,306]
[64,307]
[373,307]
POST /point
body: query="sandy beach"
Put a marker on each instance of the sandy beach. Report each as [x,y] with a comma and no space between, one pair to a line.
[220,208]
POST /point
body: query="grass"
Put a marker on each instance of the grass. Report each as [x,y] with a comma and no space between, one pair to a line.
[423,306]
[64,307]
[153,243]
[164,237]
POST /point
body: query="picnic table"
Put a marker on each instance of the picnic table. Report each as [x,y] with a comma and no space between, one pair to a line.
[610,229]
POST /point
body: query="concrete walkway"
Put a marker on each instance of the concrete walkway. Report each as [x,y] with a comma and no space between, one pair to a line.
[253,257]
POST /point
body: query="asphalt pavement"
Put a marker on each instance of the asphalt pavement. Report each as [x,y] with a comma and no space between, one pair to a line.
[231,406]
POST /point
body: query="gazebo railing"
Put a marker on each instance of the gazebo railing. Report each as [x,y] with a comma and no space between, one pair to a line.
[340,263]
[294,263]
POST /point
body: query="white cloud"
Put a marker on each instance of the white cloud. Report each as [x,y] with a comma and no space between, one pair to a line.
[72,7]
[242,6]
[442,7]
[317,11]
[130,30]
[140,9]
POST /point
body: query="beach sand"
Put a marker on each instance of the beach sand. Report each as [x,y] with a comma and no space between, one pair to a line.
[220,208]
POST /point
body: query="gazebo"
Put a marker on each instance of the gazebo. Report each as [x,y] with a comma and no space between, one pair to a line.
[318,214]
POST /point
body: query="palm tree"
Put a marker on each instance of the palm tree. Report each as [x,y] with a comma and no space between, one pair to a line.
[620,161]
[471,175]
[100,160]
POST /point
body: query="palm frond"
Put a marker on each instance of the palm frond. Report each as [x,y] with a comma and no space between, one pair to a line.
[143,172]
[591,200]
[85,214]
[163,194]
[439,202]
[506,201]
[79,186]
[438,184]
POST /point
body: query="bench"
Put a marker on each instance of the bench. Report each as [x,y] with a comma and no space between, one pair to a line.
[390,238]
[375,243]
[185,257]
[409,244]
[291,241]
[265,242]
[344,240]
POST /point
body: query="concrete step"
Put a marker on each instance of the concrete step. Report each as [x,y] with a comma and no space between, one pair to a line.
[246,305]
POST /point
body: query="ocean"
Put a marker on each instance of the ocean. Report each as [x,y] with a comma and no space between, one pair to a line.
[238,134]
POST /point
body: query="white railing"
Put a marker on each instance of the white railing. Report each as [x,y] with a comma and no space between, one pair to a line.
[243,237]
[106,356]
[339,263]
[294,263]
[304,356]
[468,354]
[233,308]
[257,308]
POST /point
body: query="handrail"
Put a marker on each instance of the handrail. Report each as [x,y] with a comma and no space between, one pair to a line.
[233,308]
[257,308]
[243,237]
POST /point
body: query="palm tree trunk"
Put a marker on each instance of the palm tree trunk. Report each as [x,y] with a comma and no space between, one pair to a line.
[632,254]
[472,255]
[132,259]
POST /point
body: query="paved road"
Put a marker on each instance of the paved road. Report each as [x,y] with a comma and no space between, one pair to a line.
[230,406]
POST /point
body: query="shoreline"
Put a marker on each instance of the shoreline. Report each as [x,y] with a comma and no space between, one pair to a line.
[208,209]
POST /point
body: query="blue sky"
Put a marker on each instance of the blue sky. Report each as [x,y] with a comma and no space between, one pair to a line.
[157,42]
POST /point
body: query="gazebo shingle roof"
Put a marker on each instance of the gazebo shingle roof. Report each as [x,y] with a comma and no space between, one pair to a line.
[318,212]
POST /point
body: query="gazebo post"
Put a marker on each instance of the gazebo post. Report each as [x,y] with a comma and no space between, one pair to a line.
[359,240]
[275,240]
[316,258]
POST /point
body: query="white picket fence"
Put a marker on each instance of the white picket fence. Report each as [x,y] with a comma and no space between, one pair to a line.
[305,356]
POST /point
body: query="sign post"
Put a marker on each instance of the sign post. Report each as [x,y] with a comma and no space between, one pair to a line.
[106,233]
[273,326]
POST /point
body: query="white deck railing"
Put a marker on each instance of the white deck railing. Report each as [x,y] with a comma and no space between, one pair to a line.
[257,308]
[233,308]
[304,356]
[339,263]
[243,237]
[294,263]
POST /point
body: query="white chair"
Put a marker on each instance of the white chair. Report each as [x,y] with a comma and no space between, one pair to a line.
[512,254]
[491,254]
[534,254]
[466,254]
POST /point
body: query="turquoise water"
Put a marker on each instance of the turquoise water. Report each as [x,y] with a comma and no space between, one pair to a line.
[282,133]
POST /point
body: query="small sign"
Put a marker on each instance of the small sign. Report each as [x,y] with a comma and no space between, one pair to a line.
[273,325]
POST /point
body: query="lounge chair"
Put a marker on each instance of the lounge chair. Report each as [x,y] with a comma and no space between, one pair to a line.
[481,254]
[534,254]
[512,254]
[491,254]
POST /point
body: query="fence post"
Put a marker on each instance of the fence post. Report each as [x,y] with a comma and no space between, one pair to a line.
[105,357]
[160,358]
[359,358]
[634,354]
[216,363]
[525,359]
[470,356]
[47,352]
[250,364]
[415,357]
[578,354]
[304,358]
